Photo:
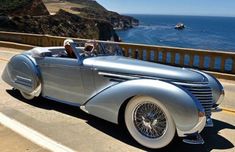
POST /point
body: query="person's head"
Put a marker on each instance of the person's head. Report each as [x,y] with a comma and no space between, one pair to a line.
[68,48]
[89,46]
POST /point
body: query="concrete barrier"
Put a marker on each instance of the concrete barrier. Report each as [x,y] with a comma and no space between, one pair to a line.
[220,63]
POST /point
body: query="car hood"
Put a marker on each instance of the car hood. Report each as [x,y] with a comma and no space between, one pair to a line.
[130,67]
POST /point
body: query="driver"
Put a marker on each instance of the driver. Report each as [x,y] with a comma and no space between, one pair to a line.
[69,49]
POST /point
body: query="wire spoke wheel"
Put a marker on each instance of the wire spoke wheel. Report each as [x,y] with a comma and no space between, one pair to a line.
[149,122]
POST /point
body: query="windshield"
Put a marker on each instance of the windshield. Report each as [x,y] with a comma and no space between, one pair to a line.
[94,48]
[111,49]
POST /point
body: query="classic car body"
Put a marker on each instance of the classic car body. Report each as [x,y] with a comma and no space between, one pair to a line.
[147,96]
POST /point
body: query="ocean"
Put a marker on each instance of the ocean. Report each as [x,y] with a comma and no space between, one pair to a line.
[213,33]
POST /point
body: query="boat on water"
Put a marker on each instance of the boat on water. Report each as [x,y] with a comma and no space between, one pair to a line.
[179,26]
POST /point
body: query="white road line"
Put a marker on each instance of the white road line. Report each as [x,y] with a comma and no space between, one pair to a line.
[33,135]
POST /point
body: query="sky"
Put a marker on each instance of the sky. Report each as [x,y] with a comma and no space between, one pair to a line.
[172,7]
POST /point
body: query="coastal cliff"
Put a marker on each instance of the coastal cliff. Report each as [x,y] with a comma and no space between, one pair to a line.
[80,18]
[61,24]
[92,9]
[23,7]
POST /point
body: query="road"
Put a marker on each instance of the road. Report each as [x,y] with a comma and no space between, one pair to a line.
[9,139]
[72,128]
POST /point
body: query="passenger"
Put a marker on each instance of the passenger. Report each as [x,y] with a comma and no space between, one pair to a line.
[91,48]
[69,49]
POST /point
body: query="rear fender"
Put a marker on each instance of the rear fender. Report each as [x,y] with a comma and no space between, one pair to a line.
[22,73]
[182,106]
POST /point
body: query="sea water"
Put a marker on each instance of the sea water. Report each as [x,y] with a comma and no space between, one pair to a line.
[213,33]
[201,32]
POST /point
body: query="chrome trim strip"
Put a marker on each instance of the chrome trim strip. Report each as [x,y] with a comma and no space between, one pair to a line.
[191,83]
[123,76]
[23,79]
[117,75]
[23,83]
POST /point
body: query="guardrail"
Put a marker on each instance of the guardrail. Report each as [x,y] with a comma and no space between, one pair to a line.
[202,59]
[217,61]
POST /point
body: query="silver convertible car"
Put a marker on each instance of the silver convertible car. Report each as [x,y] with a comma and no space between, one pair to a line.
[154,101]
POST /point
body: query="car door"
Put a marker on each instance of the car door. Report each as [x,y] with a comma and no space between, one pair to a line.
[62,79]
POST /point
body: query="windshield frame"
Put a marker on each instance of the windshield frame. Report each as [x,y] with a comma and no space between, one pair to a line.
[114,49]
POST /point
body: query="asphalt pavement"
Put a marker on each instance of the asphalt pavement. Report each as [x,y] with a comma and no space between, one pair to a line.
[11,141]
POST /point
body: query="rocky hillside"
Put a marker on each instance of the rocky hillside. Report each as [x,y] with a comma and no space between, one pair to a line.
[23,7]
[90,20]
[88,3]
[92,9]
[61,24]
[118,21]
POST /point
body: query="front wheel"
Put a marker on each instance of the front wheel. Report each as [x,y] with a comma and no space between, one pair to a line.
[149,122]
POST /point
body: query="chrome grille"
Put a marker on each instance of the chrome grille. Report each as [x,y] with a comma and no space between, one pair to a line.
[204,95]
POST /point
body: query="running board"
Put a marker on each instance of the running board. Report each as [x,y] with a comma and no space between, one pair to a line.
[195,139]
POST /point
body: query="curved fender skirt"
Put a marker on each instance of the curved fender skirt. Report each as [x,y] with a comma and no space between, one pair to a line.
[180,104]
[21,73]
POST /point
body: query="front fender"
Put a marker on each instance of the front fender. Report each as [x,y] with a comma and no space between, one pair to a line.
[181,105]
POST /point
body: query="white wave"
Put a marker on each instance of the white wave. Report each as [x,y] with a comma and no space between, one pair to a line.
[156,27]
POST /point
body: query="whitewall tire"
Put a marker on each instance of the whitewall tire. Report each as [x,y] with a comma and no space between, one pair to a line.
[149,122]
[27,96]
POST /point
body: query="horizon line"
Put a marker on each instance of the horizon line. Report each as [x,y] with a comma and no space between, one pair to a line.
[178,15]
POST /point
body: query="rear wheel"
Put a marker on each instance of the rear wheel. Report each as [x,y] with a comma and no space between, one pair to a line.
[27,96]
[149,122]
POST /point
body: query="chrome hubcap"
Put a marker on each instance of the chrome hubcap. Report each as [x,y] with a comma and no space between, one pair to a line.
[150,120]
